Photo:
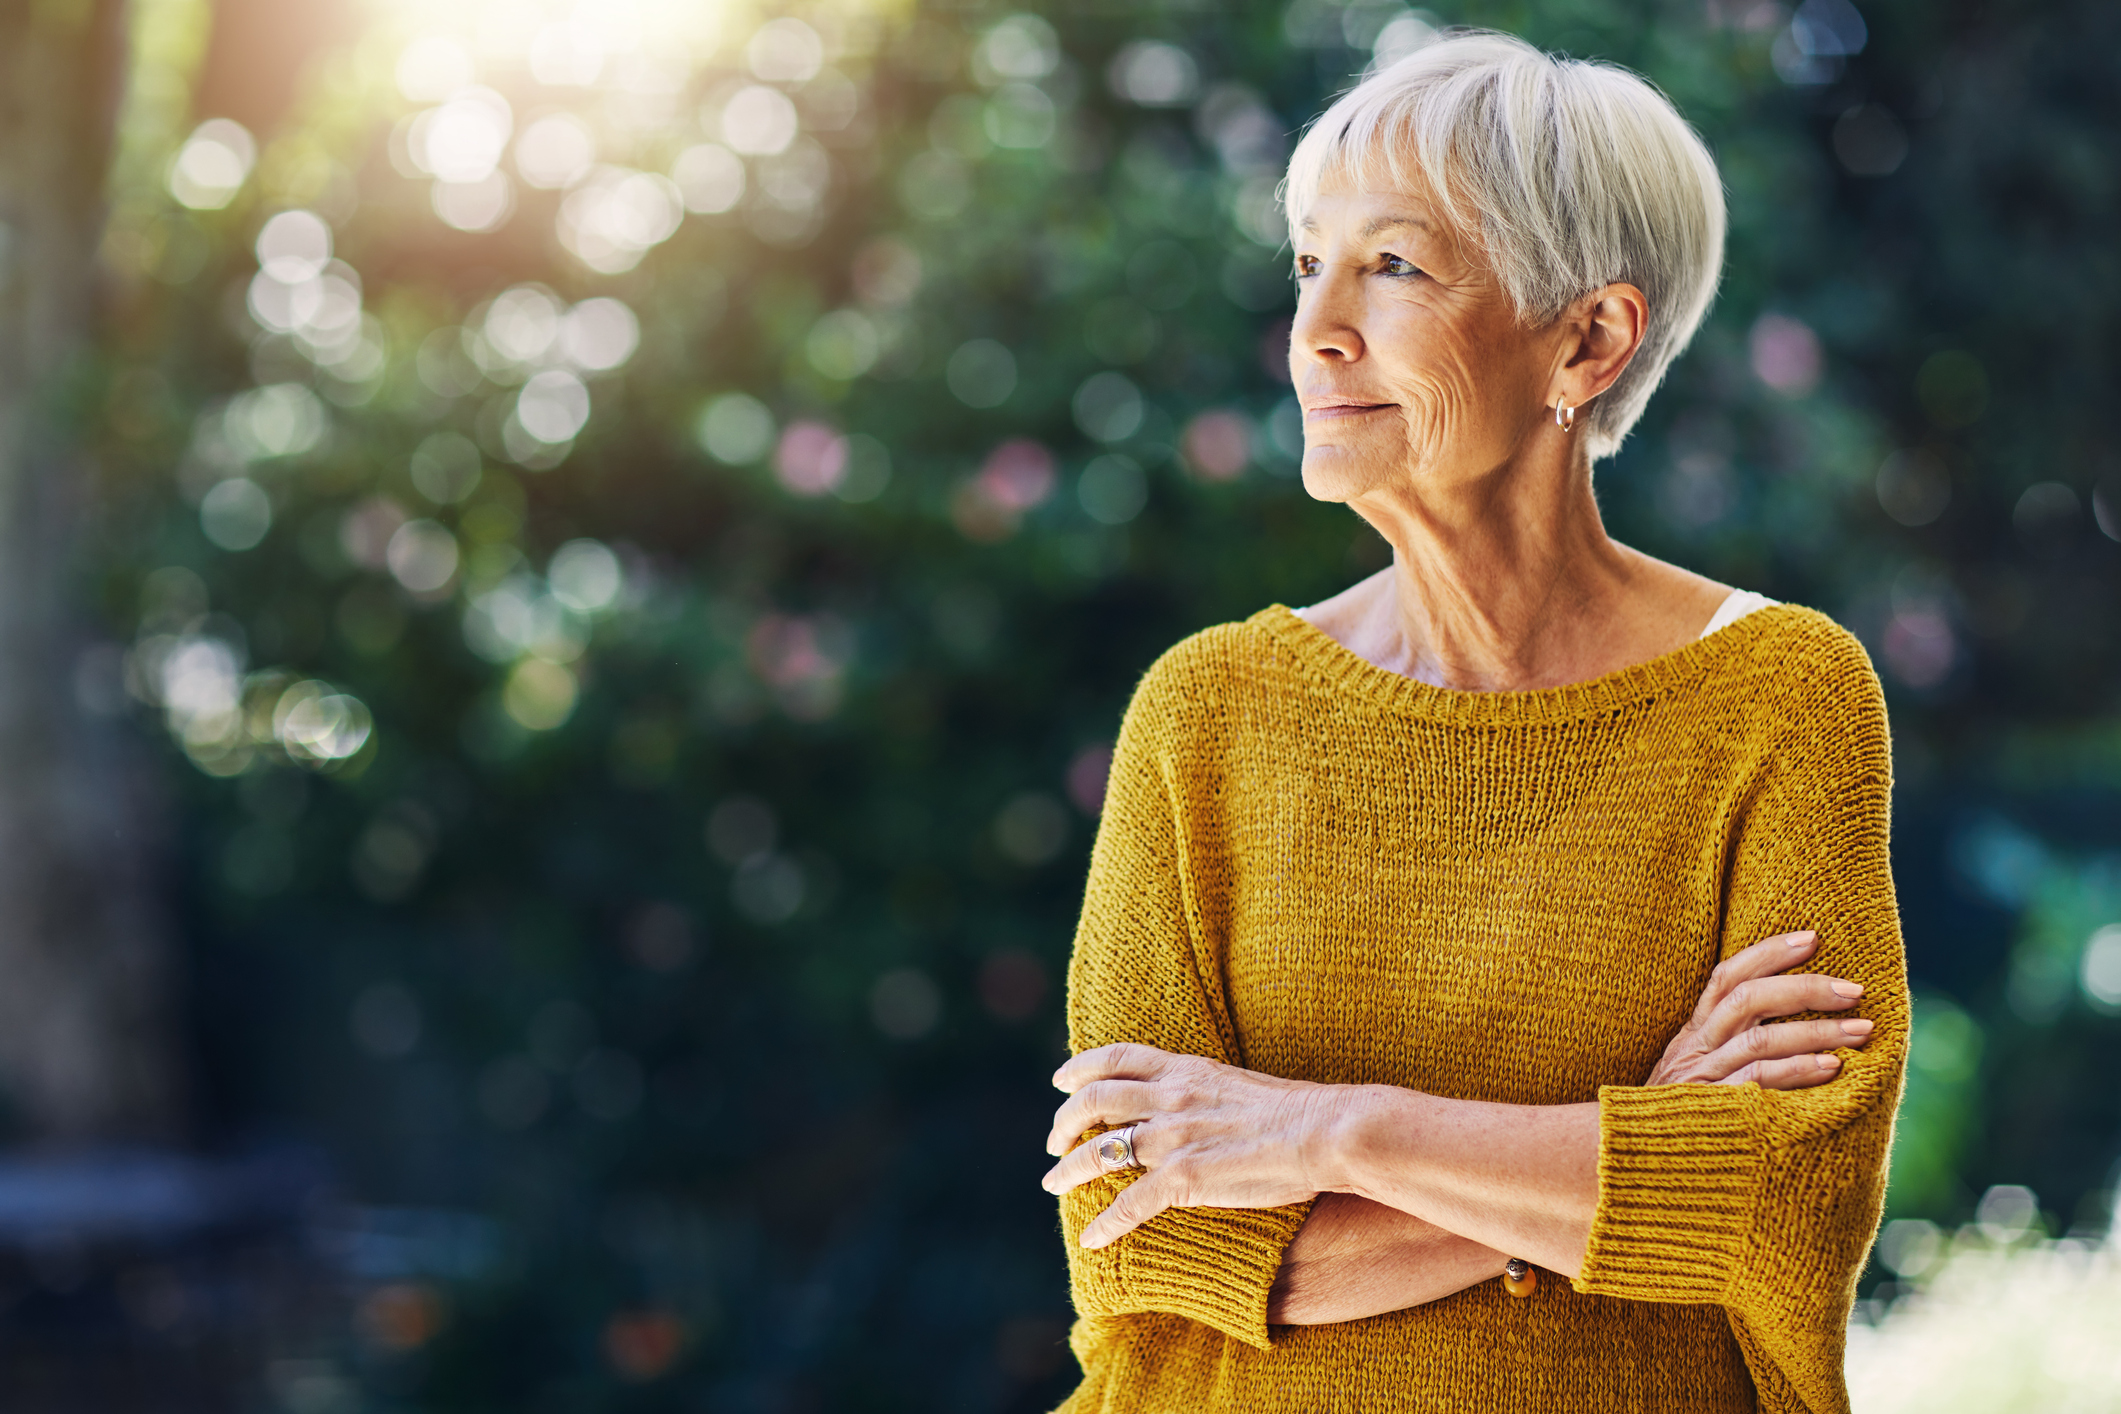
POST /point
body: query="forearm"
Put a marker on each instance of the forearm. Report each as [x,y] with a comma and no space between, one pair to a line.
[1355,1258]
[1516,1179]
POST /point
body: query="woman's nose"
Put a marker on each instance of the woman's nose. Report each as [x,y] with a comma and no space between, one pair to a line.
[1322,331]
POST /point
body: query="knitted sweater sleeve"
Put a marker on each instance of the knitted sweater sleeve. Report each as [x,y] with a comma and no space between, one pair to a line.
[1765,1202]
[1141,972]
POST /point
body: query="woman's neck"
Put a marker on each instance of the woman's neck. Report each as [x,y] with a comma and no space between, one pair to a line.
[1508,583]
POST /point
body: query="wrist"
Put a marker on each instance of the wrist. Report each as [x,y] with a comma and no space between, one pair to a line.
[1367,1138]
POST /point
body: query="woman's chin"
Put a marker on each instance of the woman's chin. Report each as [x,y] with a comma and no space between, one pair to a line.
[1331,474]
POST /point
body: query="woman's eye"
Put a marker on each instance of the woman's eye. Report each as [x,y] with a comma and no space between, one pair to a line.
[1398,265]
[1306,265]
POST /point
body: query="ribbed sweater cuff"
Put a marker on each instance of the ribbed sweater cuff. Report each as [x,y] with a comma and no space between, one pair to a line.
[1212,1265]
[1677,1185]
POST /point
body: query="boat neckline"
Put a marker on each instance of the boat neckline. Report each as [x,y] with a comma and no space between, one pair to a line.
[1341,668]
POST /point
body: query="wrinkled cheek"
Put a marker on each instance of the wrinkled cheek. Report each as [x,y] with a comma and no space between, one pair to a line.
[1447,418]
[1432,420]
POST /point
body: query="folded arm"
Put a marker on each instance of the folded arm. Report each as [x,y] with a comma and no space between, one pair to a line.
[1762,1202]
[1354,1258]
[1137,976]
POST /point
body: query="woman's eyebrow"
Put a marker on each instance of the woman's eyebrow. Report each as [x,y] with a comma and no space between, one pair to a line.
[1382,224]
[1377,226]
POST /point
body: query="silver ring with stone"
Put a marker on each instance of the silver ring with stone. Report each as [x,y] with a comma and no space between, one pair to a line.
[1115,1150]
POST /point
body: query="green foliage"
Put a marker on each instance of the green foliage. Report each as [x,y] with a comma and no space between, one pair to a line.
[1939,1110]
[658,830]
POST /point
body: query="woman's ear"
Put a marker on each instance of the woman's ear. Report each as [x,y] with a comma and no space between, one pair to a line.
[1608,327]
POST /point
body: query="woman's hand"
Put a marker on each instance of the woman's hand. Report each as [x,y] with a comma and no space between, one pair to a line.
[1725,1041]
[1515,1178]
[1218,1136]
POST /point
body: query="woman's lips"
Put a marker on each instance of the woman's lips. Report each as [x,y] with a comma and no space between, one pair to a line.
[1339,410]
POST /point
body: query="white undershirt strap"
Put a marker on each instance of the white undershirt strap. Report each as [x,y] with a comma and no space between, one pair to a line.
[1736,606]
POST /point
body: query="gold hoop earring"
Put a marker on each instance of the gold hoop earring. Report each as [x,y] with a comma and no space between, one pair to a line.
[1564,418]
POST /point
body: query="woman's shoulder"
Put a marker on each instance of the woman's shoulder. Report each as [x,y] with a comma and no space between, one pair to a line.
[1800,677]
[1205,670]
[1802,646]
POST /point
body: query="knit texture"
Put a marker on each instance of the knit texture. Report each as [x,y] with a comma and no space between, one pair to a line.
[1316,868]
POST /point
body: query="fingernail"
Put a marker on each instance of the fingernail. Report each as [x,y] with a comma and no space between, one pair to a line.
[1856,1028]
[1848,989]
[1829,1062]
[1801,940]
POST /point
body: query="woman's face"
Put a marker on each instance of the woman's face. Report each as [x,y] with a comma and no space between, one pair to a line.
[1406,355]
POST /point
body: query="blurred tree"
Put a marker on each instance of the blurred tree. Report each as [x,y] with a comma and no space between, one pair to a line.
[634,525]
[86,1048]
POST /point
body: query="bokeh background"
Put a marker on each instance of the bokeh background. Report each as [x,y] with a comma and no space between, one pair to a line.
[568,570]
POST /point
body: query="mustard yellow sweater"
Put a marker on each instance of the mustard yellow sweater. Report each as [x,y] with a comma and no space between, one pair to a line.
[1317,868]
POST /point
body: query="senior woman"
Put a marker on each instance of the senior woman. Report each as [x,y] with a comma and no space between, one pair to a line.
[1525,906]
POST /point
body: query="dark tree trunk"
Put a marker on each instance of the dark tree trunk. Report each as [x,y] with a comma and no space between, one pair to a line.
[86,1043]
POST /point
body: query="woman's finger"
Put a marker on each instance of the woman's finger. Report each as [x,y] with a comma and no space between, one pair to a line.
[1767,998]
[1795,1073]
[1780,1041]
[1079,1165]
[1100,1104]
[1134,1205]
[1076,1168]
[1123,1060]
[1763,959]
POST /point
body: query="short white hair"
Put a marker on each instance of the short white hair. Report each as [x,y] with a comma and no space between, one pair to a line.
[1566,175]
